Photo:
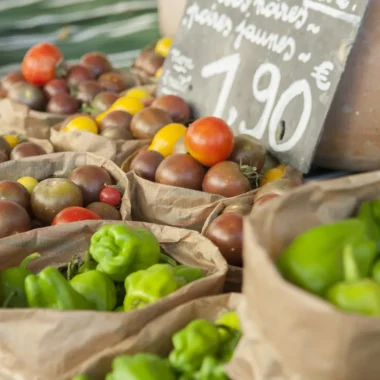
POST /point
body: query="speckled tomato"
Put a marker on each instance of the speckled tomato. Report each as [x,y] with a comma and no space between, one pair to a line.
[40,63]
[110,195]
[209,140]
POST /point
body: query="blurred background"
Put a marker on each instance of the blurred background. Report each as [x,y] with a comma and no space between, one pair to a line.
[117,28]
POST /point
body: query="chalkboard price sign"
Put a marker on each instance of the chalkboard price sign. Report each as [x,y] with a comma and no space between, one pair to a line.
[270,68]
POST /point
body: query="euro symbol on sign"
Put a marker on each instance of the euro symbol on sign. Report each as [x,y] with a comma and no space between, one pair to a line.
[321,73]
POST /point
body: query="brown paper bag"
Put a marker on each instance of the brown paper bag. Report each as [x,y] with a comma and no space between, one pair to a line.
[60,165]
[173,206]
[81,141]
[41,344]
[312,338]
[156,337]
[234,279]
[20,119]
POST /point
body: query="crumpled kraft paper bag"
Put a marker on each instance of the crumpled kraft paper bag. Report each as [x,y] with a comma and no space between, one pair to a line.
[156,337]
[173,206]
[234,279]
[18,118]
[81,141]
[41,344]
[310,337]
[60,165]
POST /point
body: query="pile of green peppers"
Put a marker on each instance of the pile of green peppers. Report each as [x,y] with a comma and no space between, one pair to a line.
[124,269]
[200,350]
[340,262]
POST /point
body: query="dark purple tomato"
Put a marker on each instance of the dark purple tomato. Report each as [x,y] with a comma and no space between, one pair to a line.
[27,94]
[149,62]
[87,90]
[15,192]
[145,164]
[63,104]
[175,106]
[26,149]
[119,119]
[77,74]
[104,210]
[116,133]
[10,79]
[112,82]
[226,232]
[97,63]
[103,101]
[56,86]
[180,170]
[248,151]
[91,180]
[13,218]
[225,179]
[147,122]
[52,195]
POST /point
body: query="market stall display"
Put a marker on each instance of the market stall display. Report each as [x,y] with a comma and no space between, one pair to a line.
[148,293]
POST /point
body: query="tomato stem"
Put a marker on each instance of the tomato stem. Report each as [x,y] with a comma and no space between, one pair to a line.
[250,172]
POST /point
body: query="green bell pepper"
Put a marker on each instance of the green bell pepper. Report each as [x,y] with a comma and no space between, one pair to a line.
[376,271]
[369,213]
[148,286]
[185,274]
[97,288]
[12,290]
[120,250]
[230,333]
[81,377]
[314,260]
[211,369]
[50,289]
[355,294]
[192,344]
[140,367]
[229,319]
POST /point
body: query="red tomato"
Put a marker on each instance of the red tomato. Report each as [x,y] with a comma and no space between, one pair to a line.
[110,195]
[209,140]
[40,62]
[74,214]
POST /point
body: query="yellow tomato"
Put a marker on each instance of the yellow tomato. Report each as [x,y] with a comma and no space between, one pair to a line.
[138,93]
[28,182]
[127,104]
[166,138]
[82,123]
[12,140]
[273,174]
[163,46]
[158,73]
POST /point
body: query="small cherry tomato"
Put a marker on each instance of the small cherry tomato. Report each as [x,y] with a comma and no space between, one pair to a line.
[40,63]
[209,140]
[110,195]
[273,174]
[163,46]
[74,214]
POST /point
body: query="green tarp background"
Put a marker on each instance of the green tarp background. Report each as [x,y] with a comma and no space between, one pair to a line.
[118,28]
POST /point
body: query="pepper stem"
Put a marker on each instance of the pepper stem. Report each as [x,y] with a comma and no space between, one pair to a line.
[28,259]
[8,299]
[350,267]
[167,260]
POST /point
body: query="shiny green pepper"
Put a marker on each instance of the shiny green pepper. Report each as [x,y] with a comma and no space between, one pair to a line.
[97,288]
[140,367]
[314,260]
[50,289]
[120,250]
[355,294]
[192,344]
[148,286]
[12,289]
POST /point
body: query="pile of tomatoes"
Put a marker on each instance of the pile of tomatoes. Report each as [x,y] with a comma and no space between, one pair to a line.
[203,156]
[47,83]
[87,194]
